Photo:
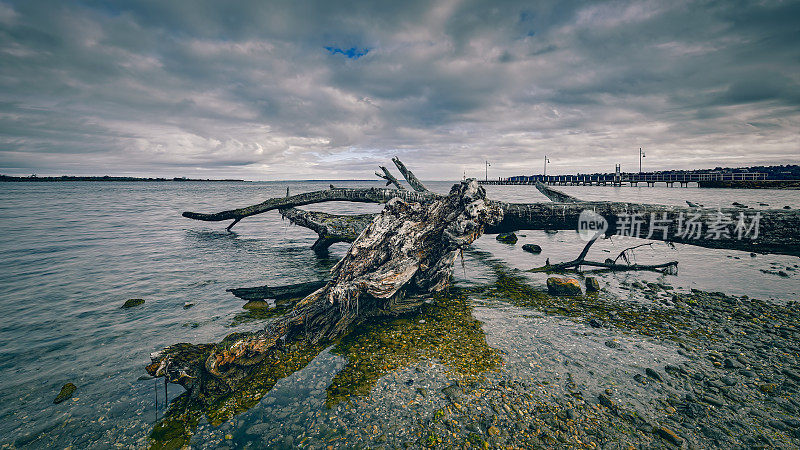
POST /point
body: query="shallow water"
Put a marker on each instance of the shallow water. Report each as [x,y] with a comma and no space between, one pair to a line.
[74,252]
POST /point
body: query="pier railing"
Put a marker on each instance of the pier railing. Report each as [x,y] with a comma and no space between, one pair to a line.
[631,178]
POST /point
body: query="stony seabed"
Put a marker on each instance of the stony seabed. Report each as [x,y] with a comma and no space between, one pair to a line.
[431,379]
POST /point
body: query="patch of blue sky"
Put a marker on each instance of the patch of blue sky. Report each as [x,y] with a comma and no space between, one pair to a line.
[351,53]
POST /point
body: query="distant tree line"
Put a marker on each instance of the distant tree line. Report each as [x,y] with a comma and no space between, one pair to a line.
[36,178]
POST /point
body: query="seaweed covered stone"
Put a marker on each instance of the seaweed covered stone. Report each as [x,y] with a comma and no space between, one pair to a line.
[66,392]
[132,302]
[507,238]
[563,286]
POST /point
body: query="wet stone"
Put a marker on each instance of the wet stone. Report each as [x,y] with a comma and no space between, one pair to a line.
[66,392]
[669,435]
[132,302]
[532,248]
[592,285]
[507,238]
[563,286]
[653,374]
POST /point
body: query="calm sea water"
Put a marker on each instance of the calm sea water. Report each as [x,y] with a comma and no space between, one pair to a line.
[72,253]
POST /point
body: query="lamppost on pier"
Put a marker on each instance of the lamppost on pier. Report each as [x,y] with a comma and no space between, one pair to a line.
[487,170]
[545,168]
[641,155]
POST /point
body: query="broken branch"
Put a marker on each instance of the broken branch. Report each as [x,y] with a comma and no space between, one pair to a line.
[413,181]
[390,179]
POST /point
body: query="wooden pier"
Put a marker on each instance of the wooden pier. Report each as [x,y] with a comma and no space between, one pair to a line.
[631,179]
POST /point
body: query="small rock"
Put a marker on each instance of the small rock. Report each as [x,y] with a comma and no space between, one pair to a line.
[640,378]
[66,392]
[563,286]
[794,423]
[493,431]
[787,207]
[713,400]
[768,388]
[551,231]
[653,374]
[256,304]
[188,305]
[791,374]
[778,425]
[131,302]
[532,248]
[612,344]
[605,400]
[594,323]
[507,238]
[732,364]
[669,435]
[592,285]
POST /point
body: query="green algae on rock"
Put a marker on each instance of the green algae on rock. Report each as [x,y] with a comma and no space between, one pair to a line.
[66,392]
[563,286]
[132,302]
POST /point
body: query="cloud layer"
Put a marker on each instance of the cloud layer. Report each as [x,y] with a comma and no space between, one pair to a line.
[320,89]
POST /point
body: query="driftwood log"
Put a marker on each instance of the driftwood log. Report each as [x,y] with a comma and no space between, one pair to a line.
[406,252]
[408,249]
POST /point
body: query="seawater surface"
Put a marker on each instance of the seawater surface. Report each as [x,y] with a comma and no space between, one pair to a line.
[72,253]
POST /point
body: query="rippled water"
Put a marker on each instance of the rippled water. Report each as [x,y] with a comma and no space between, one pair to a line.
[72,253]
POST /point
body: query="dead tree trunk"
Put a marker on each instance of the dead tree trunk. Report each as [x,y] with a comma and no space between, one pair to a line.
[408,248]
[777,229]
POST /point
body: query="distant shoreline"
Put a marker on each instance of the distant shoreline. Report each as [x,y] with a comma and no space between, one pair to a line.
[64,178]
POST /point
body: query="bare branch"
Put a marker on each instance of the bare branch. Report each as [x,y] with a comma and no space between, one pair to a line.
[409,176]
[390,179]
[361,195]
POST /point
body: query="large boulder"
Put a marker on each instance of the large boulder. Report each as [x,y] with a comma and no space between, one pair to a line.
[508,238]
[563,286]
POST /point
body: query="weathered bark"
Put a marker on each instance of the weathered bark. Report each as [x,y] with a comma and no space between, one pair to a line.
[413,181]
[390,179]
[408,248]
[331,228]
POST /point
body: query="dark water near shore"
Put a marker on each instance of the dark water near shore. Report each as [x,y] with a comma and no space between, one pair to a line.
[72,253]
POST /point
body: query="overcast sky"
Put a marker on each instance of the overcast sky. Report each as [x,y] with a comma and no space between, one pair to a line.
[329,90]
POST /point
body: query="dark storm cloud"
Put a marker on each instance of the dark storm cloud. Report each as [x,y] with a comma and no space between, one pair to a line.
[318,89]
